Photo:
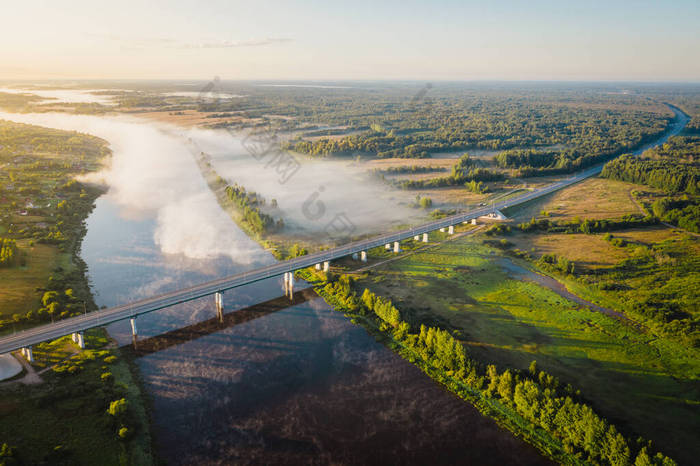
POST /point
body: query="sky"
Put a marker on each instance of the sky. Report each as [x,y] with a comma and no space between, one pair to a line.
[330,40]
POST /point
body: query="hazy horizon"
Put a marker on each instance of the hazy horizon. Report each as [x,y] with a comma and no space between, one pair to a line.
[540,41]
[19,82]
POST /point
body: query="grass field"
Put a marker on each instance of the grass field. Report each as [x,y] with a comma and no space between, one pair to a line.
[644,384]
[18,292]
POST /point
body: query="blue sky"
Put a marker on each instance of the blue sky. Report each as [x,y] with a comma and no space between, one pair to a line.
[322,40]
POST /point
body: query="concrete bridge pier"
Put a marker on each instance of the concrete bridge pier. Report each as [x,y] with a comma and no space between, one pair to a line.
[425,237]
[363,256]
[451,230]
[318,266]
[326,266]
[28,354]
[416,238]
[289,285]
[473,221]
[74,337]
[219,302]
[397,247]
[81,340]
[387,246]
[354,256]
[442,230]
[134,333]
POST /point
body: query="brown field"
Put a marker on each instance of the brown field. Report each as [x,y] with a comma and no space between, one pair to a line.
[653,235]
[18,292]
[450,196]
[346,132]
[188,118]
[417,176]
[479,154]
[591,251]
[383,164]
[594,198]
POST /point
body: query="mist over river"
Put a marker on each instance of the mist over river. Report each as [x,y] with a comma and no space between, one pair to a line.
[272,384]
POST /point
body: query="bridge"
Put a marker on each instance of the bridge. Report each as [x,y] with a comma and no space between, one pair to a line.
[77,325]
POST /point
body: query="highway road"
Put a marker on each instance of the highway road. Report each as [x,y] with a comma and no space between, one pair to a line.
[107,316]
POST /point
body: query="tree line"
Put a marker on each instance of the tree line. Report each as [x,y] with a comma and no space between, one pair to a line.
[578,225]
[464,172]
[249,202]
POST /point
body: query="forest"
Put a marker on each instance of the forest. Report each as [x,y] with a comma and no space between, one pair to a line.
[673,168]
[455,119]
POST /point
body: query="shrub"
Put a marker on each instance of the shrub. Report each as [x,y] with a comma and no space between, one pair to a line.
[118,408]
[124,433]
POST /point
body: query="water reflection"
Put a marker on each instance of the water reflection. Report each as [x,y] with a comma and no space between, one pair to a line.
[143,347]
[305,386]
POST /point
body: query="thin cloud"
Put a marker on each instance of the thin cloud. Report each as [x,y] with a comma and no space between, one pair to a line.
[145,42]
[226,44]
[141,41]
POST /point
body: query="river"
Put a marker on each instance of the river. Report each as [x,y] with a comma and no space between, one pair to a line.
[272,384]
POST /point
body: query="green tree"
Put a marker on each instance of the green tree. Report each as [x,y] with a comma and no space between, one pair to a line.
[660,206]
[643,458]
[505,385]
[533,368]
[492,376]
